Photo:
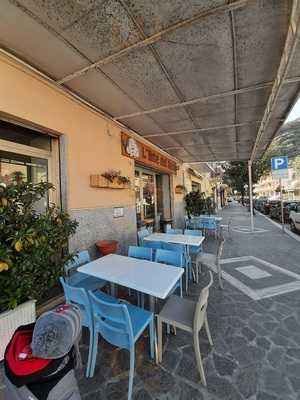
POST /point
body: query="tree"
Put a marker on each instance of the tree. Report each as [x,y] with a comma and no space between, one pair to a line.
[236,174]
[33,246]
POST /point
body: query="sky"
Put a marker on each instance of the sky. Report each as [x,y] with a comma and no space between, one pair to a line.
[295,112]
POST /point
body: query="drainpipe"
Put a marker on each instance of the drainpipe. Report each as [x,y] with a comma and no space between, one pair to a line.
[251,194]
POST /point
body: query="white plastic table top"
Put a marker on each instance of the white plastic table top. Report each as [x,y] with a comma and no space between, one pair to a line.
[210,216]
[149,277]
[187,240]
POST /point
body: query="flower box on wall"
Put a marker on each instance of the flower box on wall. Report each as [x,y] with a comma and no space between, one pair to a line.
[180,189]
[10,320]
[98,181]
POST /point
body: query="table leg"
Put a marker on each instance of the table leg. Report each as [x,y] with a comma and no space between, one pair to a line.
[152,304]
[113,289]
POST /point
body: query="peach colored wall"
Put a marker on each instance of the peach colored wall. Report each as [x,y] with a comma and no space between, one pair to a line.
[93,143]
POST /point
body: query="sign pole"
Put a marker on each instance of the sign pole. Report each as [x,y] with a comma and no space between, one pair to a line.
[281,205]
[251,194]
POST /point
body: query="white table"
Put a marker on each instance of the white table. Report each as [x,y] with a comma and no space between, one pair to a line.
[149,277]
[187,240]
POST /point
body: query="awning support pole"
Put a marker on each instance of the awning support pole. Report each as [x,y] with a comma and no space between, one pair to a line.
[251,194]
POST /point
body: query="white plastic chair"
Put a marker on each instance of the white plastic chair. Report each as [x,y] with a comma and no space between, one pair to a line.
[189,316]
[212,261]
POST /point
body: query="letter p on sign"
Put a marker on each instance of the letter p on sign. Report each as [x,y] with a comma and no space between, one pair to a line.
[279,163]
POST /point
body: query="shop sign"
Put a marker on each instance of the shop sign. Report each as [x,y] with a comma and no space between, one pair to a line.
[146,155]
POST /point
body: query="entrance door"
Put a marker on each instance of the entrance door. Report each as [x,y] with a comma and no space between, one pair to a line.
[145,196]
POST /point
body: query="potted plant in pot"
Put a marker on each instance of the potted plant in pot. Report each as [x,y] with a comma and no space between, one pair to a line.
[33,251]
[197,204]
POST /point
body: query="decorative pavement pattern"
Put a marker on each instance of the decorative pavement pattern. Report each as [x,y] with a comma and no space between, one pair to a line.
[258,278]
[247,230]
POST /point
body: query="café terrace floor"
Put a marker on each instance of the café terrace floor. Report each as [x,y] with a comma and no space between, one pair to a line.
[256,352]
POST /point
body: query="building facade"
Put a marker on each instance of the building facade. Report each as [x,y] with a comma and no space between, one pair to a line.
[45,134]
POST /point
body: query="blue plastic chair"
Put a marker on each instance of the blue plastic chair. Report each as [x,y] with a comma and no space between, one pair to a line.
[79,296]
[141,235]
[171,258]
[143,253]
[187,262]
[194,250]
[209,224]
[154,245]
[121,325]
[173,231]
[78,279]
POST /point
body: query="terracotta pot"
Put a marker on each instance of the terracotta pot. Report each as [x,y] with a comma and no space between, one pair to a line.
[106,247]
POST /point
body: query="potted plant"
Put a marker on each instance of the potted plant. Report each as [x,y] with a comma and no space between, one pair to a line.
[197,204]
[110,179]
[33,251]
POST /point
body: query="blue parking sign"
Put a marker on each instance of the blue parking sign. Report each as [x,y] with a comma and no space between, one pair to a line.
[279,163]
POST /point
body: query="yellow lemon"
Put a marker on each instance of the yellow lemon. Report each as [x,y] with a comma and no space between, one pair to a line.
[18,246]
[30,240]
[3,266]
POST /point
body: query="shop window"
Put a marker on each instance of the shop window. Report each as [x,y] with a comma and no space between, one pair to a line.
[196,187]
[18,134]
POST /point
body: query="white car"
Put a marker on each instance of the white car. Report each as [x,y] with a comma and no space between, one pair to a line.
[295,220]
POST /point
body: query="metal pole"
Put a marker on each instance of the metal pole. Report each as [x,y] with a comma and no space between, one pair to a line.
[281,205]
[251,194]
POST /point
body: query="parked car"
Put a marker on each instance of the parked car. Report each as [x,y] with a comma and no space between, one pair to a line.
[274,209]
[259,203]
[267,206]
[295,219]
[288,206]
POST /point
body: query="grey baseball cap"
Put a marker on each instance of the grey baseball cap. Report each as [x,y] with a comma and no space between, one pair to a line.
[56,331]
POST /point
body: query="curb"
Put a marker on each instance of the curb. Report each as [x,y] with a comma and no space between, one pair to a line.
[287,231]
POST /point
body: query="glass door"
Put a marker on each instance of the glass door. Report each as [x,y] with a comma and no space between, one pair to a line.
[145,197]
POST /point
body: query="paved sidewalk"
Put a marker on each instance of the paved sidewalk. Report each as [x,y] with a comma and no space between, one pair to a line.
[256,352]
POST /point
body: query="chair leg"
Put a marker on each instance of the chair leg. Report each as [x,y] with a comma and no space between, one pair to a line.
[131,372]
[94,354]
[159,334]
[208,331]
[186,279]
[151,338]
[181,287]
[220,275]
[197,271]
[89,361]
[198,358]
[143,300]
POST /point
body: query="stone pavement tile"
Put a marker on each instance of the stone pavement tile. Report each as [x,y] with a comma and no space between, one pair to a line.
[171,359]
[265,396]
[293,353]
[224,365]
[248,355]
[222,388]
[295,381]
[187,368]
[247,380]
[263,342]
[156,380]
[187,392]
[275,382]
[248,333]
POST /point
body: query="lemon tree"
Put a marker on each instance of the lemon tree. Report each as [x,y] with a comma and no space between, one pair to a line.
[33,246]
